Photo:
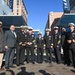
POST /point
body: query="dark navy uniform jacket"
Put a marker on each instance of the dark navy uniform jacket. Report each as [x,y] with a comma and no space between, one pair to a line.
[56,39]
[48,40]
[30,38]
[21,37]
[71,36]
[40,42]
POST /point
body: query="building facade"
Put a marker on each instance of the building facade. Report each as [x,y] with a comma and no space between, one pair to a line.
[53,18]
[13,12]
[18,8]
[69,13]
[62,19]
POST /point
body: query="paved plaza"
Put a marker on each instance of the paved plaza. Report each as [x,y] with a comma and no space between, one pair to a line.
[40,69]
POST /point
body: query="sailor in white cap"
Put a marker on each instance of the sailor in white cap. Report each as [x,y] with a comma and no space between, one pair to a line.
[49,45]
[47,29]
[40,47]
[30,45]
[21,41]
[56,44]
[71,42]
[30,28]
[39,33]
[55,28]
[21,26]
[71,24]
[24,28]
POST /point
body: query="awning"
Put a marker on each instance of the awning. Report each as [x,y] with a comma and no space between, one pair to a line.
[15,20]
[66,19]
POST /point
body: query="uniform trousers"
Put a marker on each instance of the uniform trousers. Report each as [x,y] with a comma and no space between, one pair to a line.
[20,57]
[66,55]
[30,50]
[10,52]
[40,54]
[72,56]
[57,55]
[49,54]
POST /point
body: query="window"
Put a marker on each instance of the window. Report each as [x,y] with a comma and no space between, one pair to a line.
[17,13]
[17,6]
[17,2]
[17,10]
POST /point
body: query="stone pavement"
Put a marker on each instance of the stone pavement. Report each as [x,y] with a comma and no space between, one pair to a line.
[40,69]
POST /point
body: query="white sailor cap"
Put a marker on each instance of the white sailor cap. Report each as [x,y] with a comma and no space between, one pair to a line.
[39,33]
[47,30]
[30,28]
[55,27]
[26,27]
[71,24]
[22,26]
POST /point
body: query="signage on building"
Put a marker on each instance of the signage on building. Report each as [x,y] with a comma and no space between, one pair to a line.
[66,5]
[11,4]
[72,3]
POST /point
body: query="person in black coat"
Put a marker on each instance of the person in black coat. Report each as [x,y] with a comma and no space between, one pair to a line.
[30,45]
[1,45]
[21,45]
[40,47]
[71,42]
[49,44]
[65,46]
[56,44]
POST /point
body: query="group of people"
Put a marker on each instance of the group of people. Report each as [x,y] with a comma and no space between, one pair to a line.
[23,43]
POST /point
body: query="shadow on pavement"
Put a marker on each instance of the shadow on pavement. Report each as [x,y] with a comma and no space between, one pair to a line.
[10,72]
[73,71]
[2,73]
[44,72]
[23,72]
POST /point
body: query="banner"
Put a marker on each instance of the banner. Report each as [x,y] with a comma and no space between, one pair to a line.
[66,5]
[4,9]
[11,4]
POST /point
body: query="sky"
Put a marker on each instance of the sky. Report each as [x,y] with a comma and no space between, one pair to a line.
[38,12]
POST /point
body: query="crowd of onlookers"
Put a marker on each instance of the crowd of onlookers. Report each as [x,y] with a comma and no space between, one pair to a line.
[24,43]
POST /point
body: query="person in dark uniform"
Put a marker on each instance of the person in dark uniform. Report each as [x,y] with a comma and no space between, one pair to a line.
[71,42]
[65,46]
[25,33]
[30,45]
[21,44]
[49,45]
[56,44]
[40,47]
